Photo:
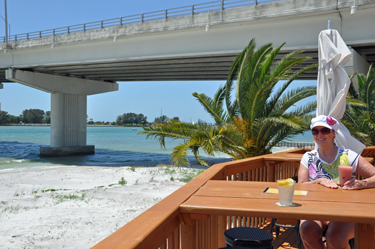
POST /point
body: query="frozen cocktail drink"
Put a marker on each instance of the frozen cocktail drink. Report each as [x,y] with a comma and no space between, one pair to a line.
[286,191]
[345,173]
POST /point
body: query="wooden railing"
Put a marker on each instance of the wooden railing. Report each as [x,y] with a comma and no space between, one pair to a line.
[163,226]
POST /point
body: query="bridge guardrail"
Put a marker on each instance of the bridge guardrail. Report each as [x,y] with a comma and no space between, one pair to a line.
[139,18]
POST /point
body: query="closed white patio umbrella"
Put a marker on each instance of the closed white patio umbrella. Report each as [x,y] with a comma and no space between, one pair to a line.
[333,84]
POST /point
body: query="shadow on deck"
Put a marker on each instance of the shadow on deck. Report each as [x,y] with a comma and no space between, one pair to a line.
[285,240]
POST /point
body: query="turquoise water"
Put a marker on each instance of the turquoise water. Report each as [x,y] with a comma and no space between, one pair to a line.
[114,146]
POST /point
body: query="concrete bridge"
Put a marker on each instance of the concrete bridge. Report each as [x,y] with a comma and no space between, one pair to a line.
[81,61]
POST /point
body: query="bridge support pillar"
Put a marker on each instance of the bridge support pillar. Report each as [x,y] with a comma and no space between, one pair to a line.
[68,126]
[68,109]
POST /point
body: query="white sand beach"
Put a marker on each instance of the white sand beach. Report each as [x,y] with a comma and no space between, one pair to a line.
[76,207]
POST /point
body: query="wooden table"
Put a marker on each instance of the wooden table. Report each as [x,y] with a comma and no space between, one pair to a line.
[241,198]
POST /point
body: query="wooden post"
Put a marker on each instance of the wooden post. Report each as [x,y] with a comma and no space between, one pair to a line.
[364,236]
[173,240]
[214,223]
[188,233]
[222,227]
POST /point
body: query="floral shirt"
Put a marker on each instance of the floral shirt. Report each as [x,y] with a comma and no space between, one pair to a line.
[321,169]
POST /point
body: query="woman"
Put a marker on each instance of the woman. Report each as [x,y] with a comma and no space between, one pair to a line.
[321,167]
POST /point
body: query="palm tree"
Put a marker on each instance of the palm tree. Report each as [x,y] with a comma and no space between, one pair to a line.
[359,116]
[256,118]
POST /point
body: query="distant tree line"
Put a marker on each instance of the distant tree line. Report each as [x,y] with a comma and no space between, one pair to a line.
[37,116]
[28,116]
[140,119]
[92,122]
[131,119]
[164,119]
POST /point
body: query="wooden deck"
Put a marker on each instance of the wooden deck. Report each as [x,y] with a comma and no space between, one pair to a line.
[164,226]
[286,238]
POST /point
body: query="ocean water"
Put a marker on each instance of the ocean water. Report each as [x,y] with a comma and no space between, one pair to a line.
[114,146]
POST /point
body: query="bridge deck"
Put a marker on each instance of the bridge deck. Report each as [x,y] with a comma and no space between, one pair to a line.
[191,68]
[182,49]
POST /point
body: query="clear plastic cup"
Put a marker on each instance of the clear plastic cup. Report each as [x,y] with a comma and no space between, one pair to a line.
[286,191]
[345,173]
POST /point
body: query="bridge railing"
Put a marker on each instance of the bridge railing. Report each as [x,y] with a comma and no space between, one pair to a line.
[139,18]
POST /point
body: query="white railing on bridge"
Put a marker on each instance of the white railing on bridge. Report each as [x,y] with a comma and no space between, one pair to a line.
[144,17]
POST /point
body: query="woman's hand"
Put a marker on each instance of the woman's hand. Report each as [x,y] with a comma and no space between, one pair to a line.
[327,183]
[353,183]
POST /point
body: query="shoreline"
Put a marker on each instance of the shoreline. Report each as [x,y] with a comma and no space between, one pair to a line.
[78,206]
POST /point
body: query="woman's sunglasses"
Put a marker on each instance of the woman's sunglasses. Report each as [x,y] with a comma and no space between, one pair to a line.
[324,131]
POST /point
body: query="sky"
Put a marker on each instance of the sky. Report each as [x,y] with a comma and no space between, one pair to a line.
[152,99]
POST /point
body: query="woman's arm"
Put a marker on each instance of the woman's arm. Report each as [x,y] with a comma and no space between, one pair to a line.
[303,177]
[303,174]
[366,170]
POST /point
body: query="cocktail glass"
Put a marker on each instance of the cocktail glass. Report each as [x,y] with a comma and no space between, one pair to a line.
[286,191]
[345,173]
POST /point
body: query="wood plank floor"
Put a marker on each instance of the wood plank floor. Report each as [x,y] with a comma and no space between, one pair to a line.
[286,238]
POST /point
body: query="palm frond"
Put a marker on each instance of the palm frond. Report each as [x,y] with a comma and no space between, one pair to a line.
[195,151]
[268,63]
[172,129]
[216,111]
[301,111]
[219,96]
[359,117]
[355,102]
[274,99]
[290,98]
[233,73]
[179,155]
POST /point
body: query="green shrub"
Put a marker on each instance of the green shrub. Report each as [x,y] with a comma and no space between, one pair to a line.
[122,182]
